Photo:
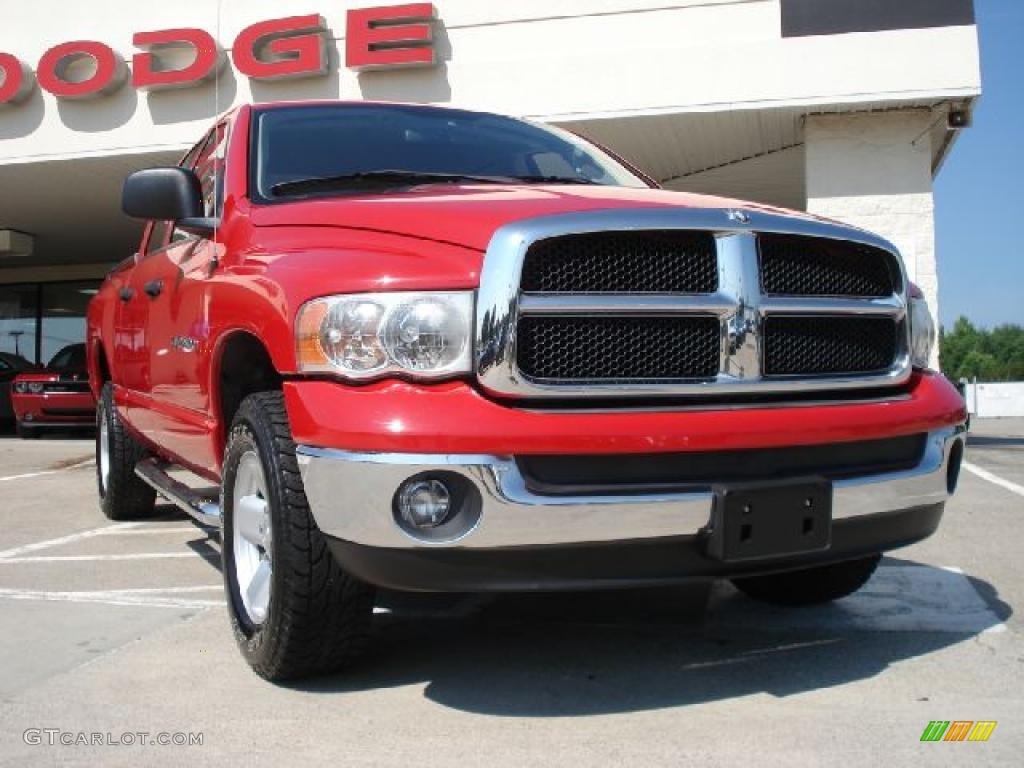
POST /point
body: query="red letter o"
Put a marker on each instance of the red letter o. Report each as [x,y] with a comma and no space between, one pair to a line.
[109,75]
[15,79]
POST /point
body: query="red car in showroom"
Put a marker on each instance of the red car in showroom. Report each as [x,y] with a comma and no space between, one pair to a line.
[57,396]
[436,349]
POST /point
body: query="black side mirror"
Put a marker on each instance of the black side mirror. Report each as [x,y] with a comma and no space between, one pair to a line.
[164,194]
[168,194]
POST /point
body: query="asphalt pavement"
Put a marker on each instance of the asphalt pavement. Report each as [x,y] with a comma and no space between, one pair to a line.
[111,631]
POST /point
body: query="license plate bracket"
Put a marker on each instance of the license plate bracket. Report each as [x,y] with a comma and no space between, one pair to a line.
[766,520]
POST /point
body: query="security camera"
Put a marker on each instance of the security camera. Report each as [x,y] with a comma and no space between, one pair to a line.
[958,118]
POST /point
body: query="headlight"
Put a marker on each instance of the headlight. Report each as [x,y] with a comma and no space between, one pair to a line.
[35,387]
[21,387]
[369,335]
[922,329]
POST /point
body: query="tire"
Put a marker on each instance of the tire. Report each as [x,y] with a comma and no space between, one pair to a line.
[312,617]
[810,586]
[27,433]
[123,496]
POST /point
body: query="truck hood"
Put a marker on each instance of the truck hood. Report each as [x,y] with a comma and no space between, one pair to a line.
[467,215]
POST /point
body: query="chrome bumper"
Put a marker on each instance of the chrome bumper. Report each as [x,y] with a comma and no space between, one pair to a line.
[351,494]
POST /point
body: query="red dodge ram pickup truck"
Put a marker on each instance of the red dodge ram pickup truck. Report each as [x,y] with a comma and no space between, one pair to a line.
[435,349]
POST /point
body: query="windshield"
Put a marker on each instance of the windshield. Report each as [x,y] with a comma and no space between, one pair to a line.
[71,356]
[348,144]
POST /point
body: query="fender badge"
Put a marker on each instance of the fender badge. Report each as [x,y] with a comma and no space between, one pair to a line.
[740,217]
[184,343]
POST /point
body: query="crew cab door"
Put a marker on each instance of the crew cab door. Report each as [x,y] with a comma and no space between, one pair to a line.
[170,287]
[131,334]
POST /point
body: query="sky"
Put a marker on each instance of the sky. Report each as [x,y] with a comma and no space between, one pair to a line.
[979,193]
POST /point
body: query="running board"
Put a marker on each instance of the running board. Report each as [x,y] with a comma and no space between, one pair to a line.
[194,502]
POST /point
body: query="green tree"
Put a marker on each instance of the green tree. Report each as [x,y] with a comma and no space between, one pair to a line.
[990,355]
[980,365]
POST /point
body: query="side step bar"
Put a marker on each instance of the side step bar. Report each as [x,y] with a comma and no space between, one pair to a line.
[194,502]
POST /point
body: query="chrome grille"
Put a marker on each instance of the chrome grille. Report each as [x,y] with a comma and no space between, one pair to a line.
[795,305]
[816,346]
[623,262]
[815,266]
[619,348]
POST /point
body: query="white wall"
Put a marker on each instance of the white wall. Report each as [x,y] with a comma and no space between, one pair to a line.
[997,400]
[568,60]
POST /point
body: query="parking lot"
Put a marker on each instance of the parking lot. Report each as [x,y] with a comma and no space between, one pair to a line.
[120,628]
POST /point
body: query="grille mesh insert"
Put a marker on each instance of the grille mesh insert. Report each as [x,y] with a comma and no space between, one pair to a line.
[623,262]
[606,349]
[814,266]
[829,345]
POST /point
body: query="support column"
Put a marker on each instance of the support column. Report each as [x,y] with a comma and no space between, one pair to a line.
[874,170]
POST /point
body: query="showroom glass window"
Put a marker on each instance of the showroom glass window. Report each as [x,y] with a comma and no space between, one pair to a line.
[18,308]
[63,315]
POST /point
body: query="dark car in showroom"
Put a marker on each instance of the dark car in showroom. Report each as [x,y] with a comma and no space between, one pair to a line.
[10,366]
[54,397]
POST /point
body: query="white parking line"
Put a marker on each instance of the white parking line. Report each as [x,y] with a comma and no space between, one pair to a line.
[156,590]
[94,558]
[984,474]
[128,597]
[116,528]
[45,472]
[176,529]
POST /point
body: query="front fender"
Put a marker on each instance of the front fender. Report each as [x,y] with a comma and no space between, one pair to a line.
[287,266]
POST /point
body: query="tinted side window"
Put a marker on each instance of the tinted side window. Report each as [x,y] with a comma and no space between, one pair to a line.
[157,236]
[209,168]
[189,160]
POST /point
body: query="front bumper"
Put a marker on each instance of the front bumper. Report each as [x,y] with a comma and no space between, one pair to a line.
[627,564]
[351,497]
[54,409]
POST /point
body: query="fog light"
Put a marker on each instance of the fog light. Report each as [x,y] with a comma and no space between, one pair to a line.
[424,503]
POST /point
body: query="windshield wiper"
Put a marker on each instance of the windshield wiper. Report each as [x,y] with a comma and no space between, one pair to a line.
[558,180]
[384,177]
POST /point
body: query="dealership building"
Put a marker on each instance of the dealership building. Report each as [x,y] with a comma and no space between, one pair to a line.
[844,108]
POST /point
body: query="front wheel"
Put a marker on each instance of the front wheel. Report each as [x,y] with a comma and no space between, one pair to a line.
[810,586]
[294,611]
